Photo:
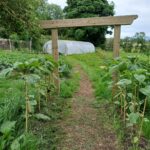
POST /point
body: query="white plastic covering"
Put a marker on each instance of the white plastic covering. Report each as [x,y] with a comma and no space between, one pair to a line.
[70,47]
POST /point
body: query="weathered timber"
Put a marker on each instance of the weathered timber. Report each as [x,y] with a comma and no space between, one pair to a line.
[116,45]
[82,22]
[116,52]
[56,57]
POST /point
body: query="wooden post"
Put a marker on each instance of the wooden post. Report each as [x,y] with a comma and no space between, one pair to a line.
[116,47]
[116,53]
[10,47]
[56,57]
[30,45]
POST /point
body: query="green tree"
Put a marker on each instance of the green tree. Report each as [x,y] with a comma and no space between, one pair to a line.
[140,40]
[127,44]
[50,11]
[84,9]
[55,11]
[19,17]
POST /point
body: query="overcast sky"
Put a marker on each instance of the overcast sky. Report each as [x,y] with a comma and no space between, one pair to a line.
[128,7]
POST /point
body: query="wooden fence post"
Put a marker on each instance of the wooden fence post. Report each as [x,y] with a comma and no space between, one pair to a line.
[10,46]
[56,57]
[116,53]
[30,45]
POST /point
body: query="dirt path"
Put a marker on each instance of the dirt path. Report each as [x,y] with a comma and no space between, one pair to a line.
[85,128]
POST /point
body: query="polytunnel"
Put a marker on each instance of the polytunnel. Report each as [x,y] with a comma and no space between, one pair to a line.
[70,47]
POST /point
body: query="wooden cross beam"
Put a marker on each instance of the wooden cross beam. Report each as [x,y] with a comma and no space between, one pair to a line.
[115,21]
[85,22]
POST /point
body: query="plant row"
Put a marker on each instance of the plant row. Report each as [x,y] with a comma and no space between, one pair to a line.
[36,78]
[133,94]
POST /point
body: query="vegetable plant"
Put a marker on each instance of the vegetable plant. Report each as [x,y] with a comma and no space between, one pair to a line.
[133,93]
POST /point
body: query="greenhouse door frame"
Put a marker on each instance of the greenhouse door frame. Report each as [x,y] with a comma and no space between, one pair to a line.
[116,21]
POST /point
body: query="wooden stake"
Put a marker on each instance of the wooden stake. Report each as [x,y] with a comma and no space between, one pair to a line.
[116,52]
[10,47]
[56,57]
[26,111]
[30,45]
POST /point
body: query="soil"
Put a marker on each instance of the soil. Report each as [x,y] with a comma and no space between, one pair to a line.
[87,127]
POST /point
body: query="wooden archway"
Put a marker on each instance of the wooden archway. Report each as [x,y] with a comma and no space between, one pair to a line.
[115,21]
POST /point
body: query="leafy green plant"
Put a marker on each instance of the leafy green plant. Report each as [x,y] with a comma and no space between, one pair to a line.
[64,69]
[27,71]
[35,72]
[133,94]
[6,131]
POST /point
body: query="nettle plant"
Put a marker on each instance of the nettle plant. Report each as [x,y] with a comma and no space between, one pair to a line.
[34,73]
[133,93]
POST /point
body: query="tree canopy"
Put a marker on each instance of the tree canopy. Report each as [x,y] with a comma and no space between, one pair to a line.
[18,16]
[84,9]
[50,11]
[19,19]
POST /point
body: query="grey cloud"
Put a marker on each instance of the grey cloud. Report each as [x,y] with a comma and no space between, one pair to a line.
[139,7]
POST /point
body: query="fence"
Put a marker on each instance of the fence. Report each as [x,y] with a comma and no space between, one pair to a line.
[8,44]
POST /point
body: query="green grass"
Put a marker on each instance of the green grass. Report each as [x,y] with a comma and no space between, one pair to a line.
[69,86]
[96,66]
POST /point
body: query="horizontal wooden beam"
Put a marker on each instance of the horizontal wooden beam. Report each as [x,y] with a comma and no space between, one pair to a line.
[83,22]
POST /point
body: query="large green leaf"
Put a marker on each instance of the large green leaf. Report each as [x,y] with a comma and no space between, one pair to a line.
[146,91]
[15,145]
[122,66]
[146,120]
[130,95]
[141,71]
[44,70]
[4,73]
[7,127]
[140,78]
[124,82]
[19,66]
[32,78]
[131,108]
[133,117]
[42,117]
[135,139]
[113,68]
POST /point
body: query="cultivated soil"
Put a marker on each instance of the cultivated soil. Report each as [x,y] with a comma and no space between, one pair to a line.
[87,127]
